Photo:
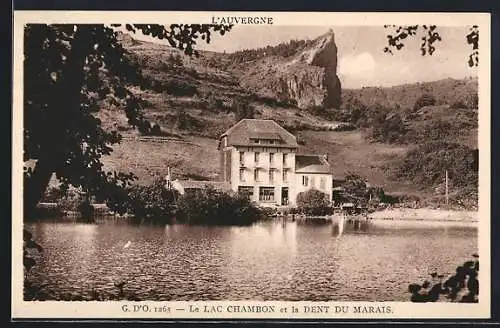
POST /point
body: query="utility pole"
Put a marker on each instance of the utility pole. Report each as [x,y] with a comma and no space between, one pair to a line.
[168,178]
[446,187]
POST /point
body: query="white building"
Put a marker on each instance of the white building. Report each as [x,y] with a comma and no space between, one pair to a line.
[259,157]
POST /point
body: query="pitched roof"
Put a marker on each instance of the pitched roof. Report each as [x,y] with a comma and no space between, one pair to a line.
[302,160]
[312,164]
[242,132]
[265,135]
[325,169]
[193,184]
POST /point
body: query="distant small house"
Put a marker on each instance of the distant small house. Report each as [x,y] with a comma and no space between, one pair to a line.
[313,171]
[189,186]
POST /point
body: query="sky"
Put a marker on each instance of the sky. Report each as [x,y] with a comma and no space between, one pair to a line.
[361,60]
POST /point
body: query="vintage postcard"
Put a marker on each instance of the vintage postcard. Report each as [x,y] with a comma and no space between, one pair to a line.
[262,165]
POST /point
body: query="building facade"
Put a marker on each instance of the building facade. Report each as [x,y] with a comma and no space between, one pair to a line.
[259,158]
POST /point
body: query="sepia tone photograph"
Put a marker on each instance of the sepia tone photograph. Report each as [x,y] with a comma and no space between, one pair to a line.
[251,162]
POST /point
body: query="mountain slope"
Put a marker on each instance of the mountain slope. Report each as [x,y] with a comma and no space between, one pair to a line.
[448,91]
[193,100]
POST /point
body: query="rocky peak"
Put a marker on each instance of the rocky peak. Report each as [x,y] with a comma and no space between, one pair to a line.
[308,78]
[126,39]
[324,54]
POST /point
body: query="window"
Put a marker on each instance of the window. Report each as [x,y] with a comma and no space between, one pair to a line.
[271,158]
[266,141]
[285,175]
[246,190]
[242,157]
[313,182]
[284,158]
[305,180]
[256,175]
[322,183]
[266,194]
[242,174]
[257,156]
[271,176]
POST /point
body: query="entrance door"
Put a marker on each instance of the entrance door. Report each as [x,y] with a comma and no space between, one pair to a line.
[284,196]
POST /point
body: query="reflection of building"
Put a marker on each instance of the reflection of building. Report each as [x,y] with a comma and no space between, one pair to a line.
[259,157]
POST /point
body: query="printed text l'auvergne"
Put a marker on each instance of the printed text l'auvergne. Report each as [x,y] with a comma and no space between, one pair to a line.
[245,20]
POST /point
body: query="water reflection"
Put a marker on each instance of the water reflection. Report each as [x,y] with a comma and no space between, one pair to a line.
[341,225]
[265,261]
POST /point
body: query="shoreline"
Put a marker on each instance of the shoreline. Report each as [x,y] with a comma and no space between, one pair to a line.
[425,214]
[428,215]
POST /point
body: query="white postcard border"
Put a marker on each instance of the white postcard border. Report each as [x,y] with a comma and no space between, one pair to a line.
[115,310]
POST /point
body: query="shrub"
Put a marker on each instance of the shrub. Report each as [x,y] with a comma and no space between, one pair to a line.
[388,128]
[67,200]
[344,127]
[179,88]
[424,100]
[462,287]
[342,115]
[188,122]
[144,127]
[243,109]
[438,130]
[459,104]
[213,207]
[155,130]
[53,194]
[356,110]
[86,209]
[28,244]
[313,202]
[154,202]
[355,189]
[72,200]
[213,103]
[472,100]
[175,60]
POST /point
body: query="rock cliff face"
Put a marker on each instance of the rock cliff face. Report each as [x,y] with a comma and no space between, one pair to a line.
[308,79]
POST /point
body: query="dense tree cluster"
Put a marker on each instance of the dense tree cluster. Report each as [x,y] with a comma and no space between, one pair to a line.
[357,190]
[214,207]
[68,71]
[151,202]
[426,165]
[284,49]
[313,202]
[242,109]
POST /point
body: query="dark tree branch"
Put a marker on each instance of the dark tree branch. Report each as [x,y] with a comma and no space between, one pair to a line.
[397,35]
[69,70]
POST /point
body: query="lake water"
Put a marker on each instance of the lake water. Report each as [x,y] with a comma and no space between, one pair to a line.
[267,261]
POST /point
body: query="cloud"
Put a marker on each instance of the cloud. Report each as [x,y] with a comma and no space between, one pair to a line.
[361,65]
